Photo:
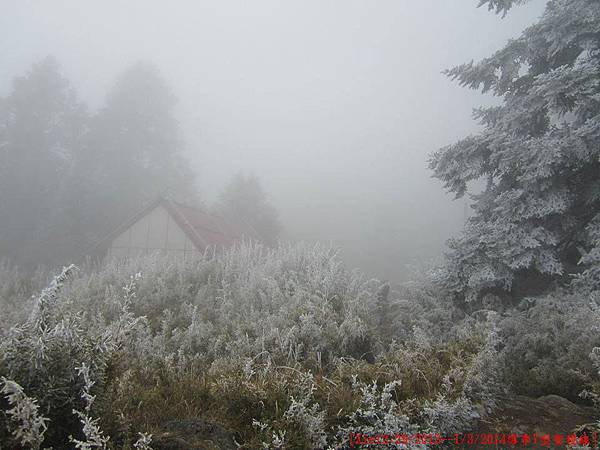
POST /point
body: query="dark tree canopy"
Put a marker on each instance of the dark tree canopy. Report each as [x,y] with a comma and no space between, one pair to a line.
[135,151]
[42,124]
[68,178]
[537,222]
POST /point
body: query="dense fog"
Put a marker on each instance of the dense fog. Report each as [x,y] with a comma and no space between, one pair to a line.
[299,224]
[333,106]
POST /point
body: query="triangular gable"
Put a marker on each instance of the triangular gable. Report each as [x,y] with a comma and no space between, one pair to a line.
[203,229]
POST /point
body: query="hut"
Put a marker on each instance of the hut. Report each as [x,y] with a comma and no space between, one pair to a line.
[171,228]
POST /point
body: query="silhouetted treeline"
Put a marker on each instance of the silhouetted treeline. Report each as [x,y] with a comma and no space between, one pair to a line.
[68,176]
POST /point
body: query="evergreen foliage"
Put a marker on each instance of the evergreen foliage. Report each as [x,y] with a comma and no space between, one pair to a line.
[536,222]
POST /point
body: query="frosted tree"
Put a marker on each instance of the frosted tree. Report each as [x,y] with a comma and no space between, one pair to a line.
[537,221]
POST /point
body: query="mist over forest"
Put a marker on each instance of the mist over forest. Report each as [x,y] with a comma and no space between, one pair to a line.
[299,225]
[334,110]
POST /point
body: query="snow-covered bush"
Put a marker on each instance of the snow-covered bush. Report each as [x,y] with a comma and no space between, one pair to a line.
[17,287]
[546,341]
[377,413]
[94,438]
[42,353]
[284,346]
[28,426]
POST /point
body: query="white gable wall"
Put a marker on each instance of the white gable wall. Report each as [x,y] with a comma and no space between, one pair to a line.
[156,232]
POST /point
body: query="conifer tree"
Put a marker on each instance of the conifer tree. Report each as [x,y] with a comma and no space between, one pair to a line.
[42,124]
[536,223]
[135,151]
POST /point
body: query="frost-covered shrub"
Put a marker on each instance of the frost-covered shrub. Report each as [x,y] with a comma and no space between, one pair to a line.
[94,438]
[546,342]
[377,413]
[16,288]
[303,424]
[420,303]
[42,353]
[28,427]
[284,346]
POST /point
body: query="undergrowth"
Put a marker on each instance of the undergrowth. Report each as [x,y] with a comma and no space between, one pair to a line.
[283,348]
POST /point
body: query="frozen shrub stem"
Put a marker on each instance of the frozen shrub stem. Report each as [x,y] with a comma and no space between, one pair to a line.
[94,438]
[29,425]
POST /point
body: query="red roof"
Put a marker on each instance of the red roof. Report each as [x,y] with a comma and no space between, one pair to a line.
[205,229]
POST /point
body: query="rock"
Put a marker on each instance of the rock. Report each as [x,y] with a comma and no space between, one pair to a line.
[548,414]
[196,434]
